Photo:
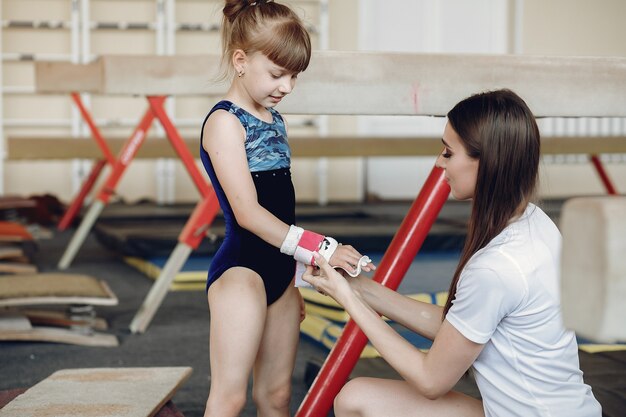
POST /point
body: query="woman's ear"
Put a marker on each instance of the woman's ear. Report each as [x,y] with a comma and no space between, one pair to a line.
[240,60]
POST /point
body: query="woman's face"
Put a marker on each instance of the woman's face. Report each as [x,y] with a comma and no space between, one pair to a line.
[460,169]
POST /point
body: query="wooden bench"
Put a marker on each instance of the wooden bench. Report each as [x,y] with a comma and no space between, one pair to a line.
[100,392]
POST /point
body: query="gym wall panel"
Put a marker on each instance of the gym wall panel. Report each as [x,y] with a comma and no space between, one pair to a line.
[36,177]
[576,27]
[36,41]
[18,74]
[33,108]
[36,9]
[138,182]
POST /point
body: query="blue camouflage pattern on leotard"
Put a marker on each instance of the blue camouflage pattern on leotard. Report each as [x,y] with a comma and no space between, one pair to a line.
[266,143]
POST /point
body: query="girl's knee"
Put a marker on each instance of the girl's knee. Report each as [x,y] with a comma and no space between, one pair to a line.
[225,405]
[276,398]
[348,402]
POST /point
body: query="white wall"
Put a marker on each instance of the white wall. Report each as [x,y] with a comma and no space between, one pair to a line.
[423,26]
[585,28]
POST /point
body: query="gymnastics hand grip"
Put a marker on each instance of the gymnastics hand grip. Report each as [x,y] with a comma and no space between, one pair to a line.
[301,244]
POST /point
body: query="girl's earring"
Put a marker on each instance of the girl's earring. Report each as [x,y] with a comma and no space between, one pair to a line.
[240,74]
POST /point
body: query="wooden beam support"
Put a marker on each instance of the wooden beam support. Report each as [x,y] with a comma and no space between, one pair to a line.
[370,83]
[31,148]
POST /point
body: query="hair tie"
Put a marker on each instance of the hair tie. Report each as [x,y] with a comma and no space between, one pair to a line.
[257,2]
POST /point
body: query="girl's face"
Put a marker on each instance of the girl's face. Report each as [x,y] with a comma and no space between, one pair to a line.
[460,169]
[266,82]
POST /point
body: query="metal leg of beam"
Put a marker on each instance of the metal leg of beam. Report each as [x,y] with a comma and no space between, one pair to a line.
[159,289]
[393,266]
[604,176]
[78,201]
[186,157]
[81,234]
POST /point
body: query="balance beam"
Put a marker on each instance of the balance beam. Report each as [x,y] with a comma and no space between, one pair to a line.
[358,83]
[47,148]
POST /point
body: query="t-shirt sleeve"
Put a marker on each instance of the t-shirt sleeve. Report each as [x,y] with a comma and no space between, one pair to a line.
[483,299]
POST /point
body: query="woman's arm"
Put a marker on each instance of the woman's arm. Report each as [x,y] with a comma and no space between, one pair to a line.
[420,317]
[434,373]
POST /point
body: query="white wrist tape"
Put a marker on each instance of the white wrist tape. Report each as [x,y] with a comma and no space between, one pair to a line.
[301,244]
[291,240]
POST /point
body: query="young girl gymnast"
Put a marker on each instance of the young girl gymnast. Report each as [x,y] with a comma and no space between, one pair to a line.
[254,306]
[502,317]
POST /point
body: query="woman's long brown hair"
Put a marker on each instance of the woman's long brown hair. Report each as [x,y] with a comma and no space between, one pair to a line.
[499,130]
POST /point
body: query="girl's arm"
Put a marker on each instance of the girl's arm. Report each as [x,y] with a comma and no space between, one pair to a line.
[224,141]
[434,373]
[420,317]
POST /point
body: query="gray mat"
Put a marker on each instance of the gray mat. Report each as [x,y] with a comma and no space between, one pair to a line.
[179,334]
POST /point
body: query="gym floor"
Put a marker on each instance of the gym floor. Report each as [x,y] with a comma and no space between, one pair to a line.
[179,334]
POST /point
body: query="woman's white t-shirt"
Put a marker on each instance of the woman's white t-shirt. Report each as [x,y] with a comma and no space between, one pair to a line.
[508,299]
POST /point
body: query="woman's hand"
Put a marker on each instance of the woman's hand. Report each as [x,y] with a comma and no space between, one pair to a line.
[327,280]
[348,258]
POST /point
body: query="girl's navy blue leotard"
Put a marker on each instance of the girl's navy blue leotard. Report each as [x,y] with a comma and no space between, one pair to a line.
[269,160]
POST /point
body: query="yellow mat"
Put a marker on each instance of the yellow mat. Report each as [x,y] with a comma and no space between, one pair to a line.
[325,321]
[185,280]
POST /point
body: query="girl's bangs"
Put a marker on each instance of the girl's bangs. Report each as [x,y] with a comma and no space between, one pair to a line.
[288,47]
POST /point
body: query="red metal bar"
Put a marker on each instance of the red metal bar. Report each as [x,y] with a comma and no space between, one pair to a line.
[77,203]
[396,261]
[126,156]
[199,221]
[156,104]
[208,207]
[106,151]
[604,176]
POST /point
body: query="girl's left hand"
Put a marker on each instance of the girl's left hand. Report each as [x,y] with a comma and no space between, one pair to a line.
[326,279]
[348,258]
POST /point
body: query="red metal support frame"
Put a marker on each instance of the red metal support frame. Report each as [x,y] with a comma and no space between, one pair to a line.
[396,261]
[95,132]
[126,155]
[96,170]
[208,207]
[79,199]
[604,176]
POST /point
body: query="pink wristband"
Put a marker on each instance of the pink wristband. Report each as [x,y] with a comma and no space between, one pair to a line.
[308,244]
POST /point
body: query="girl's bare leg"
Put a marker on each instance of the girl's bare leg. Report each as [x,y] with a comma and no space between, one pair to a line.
[238,313]
[364,397]
[277,355]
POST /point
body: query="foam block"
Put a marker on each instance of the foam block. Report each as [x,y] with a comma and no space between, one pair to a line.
[593,267]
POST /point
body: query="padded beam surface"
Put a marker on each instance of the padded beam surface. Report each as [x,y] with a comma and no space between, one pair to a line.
[593,267]
[370,83]
[31,148]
